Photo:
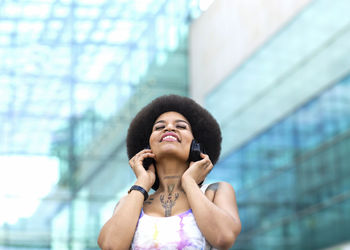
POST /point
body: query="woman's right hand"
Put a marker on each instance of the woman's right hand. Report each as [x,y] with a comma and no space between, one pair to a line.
[145,178]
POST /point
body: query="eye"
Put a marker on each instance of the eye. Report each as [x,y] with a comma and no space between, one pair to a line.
[181,126]
[159,127]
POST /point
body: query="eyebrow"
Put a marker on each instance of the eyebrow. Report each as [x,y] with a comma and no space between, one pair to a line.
[163,121]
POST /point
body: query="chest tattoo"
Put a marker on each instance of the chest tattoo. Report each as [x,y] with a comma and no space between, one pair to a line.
[169,202]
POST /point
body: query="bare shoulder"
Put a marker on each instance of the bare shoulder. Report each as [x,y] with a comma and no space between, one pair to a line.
[222,186]
[226,186]
[220,189]
[224,197]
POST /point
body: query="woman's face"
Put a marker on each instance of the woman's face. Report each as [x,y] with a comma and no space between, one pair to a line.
[171,136]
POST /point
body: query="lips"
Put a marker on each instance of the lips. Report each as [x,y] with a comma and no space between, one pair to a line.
[169,136]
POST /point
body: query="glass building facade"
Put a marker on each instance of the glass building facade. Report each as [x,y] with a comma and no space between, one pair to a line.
[285,116]
[73,74]
[293,180]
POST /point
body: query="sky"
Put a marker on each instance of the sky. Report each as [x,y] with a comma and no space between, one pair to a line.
[24,180]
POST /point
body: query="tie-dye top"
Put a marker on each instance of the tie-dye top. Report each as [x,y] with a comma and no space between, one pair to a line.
[174,232]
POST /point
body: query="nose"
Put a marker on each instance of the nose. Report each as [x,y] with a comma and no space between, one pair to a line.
[169,127]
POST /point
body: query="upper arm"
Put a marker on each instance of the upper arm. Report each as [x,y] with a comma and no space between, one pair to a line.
[223,195]
[118,205]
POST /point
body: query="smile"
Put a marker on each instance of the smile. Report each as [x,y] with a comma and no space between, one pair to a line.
[169,137]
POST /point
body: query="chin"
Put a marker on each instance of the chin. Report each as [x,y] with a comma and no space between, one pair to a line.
[172,154]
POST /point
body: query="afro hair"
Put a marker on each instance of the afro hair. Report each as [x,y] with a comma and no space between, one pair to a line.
[205,128]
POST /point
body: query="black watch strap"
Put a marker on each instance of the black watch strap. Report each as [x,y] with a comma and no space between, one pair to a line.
[141,189]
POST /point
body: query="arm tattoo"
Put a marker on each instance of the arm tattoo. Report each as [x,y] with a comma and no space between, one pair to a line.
[170,201]
[214,187]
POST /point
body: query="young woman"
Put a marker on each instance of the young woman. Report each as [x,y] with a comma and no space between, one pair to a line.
[181,213]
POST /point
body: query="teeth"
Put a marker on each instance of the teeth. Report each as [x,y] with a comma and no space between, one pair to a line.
[169,137]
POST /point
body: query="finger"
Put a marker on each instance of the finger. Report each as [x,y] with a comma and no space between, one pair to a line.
[203,155]
[142,155]
[147,155]
[132,162]
[139,157]
[207,164]
[204,162]
[142,152]
[146,150]
[151,168]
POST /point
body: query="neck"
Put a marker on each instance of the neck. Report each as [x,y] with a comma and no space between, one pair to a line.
[169,174]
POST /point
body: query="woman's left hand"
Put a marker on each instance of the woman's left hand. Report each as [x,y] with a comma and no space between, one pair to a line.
[198,170]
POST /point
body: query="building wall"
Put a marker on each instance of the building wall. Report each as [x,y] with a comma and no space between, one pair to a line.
[282,101]
[228,33]
[292,181]
[291,67]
